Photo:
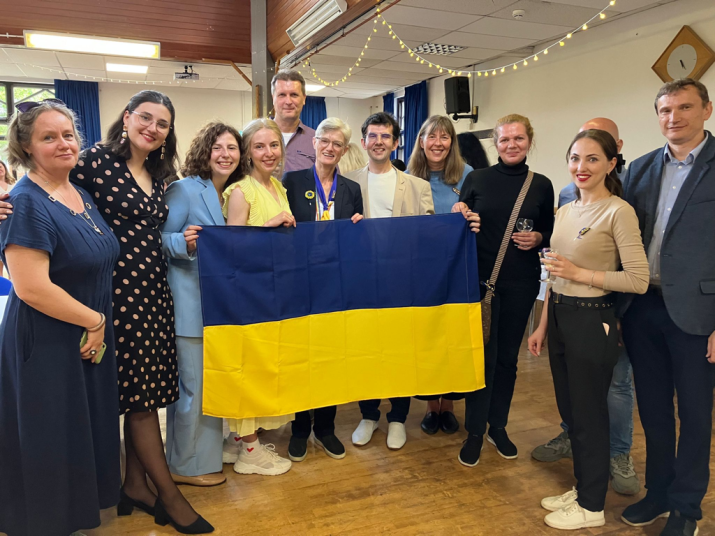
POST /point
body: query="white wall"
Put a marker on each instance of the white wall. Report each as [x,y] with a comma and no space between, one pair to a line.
[605,71]
[194,108]
[353,111]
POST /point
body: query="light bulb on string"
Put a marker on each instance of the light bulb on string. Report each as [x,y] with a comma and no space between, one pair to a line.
[561,43]
[584,27]
[515,67]
[526,63]
[546,51]
[568,36]
[536,58]
[494,72]
[602,15]
[502,69]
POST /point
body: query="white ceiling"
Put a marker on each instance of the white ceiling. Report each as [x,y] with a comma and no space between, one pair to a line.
[19,64]
[485,28]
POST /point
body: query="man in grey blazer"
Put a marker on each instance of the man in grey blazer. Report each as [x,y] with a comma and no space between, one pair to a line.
[670,330]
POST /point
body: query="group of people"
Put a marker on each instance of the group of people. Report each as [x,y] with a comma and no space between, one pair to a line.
[105,315]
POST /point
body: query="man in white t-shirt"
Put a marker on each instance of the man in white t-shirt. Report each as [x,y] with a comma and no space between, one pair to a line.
[387,192]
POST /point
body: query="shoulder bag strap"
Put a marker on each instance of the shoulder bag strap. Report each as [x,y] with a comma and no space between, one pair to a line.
[491,283]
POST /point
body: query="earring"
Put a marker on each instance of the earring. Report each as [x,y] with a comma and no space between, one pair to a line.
[250,162]
[124,134]
[163,150]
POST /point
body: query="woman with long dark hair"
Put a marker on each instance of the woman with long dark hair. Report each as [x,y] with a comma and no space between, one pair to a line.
[215,160]
[600,252]
[126,174]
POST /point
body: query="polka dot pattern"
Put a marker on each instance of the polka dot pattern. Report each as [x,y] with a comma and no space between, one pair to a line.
[143,307]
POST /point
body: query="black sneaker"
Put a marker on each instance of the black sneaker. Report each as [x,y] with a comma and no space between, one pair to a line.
[505,448]
[430,423]
[679,525]
[298,448]
[472,448]
[332,446]
[448,422]
[644,512]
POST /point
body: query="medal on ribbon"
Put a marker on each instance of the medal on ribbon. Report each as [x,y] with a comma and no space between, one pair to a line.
[326,203]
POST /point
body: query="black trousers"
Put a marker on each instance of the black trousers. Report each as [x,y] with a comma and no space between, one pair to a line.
[400,408]
[509,319]
[666,360]
[446,396]
[582,357]
[323,423]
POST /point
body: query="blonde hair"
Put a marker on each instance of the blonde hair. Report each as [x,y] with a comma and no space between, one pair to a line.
[354,158]
[514,118]
[21,127]
[251,129]
[332,124]
[453,165]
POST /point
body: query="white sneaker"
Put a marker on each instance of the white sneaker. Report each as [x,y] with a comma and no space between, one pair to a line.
[560,501]
[363,433]
[574,517]
[261,460]
[231,448]
[396,436]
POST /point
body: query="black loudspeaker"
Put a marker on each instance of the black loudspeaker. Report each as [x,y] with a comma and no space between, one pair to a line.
[456,89]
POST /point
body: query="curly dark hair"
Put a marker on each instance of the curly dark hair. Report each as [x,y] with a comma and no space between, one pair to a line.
[165,169]
[199,153]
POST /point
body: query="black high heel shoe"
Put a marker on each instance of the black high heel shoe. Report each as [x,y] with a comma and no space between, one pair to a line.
[162,518]
[127,504]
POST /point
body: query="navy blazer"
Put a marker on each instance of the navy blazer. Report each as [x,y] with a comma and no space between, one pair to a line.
[191,201]
[348,197]
[687,256]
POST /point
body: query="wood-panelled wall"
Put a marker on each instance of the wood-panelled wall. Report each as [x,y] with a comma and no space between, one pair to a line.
[188,30]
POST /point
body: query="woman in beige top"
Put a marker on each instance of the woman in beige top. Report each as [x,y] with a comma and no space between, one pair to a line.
[600,252]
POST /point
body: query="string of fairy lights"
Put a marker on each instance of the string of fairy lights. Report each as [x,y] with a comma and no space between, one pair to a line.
[492,71]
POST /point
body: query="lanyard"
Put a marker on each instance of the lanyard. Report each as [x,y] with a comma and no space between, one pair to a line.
[327,203]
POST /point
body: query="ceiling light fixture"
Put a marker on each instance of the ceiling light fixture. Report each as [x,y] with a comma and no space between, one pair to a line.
[317,18]
[122,68]
[437,48]
[91,44]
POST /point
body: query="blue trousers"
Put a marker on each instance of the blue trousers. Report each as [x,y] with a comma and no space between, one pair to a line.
[666,360]
[620,407]
[194,442]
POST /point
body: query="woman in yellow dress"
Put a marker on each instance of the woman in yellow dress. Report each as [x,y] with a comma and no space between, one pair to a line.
[258,200]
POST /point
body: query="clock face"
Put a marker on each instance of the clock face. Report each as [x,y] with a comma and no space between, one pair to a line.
[682,61]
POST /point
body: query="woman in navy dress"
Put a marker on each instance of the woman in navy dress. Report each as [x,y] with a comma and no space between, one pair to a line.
[59,439]
[126,174]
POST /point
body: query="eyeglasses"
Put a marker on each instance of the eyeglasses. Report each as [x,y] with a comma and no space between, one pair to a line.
[384,137]
[324,142]
[26,106]
[147,120]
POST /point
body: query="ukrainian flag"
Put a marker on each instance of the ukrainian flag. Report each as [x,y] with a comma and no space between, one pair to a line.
[333,312]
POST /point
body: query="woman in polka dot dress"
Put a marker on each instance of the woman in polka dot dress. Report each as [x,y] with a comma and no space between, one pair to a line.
[125,174]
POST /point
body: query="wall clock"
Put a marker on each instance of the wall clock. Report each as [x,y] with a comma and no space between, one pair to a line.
[687,56]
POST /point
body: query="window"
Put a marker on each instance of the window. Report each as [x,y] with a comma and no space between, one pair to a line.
[12,93]
[401,122]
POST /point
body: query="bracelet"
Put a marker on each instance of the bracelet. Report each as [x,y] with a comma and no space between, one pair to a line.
[590,285]
[100,325]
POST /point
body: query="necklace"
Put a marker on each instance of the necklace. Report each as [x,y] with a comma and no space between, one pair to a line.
[86,206]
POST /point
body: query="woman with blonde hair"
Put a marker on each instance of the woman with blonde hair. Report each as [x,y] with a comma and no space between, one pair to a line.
[436,158]
[258,200]
[508,190]
[6,179]
[354,158]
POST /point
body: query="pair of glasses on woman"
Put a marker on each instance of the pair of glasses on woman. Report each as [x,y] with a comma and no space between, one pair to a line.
[26,106]
[324,142]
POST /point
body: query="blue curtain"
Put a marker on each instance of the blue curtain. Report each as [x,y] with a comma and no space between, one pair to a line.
[415,114]
[388,105]
[313,111]
[83,98]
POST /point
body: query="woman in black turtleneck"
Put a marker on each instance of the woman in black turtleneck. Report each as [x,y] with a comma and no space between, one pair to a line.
[492,193]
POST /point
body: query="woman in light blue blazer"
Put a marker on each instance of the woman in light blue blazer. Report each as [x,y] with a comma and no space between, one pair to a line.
[214,161]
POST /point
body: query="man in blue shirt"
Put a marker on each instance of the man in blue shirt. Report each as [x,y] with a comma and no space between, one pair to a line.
[670,330]
[620,394]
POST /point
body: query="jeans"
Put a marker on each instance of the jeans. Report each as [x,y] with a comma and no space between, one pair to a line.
[620,407]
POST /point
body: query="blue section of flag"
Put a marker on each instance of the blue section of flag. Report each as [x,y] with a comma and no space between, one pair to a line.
[254,274]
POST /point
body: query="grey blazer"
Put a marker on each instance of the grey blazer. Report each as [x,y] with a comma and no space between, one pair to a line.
[688,252]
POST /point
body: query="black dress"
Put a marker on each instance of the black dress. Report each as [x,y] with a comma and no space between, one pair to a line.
[143,308]
[59,427]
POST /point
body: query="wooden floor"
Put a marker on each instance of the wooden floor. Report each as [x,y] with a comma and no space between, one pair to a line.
[419,490]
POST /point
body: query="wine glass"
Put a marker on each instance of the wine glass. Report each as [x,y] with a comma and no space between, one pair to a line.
[524,225]
[547,253]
